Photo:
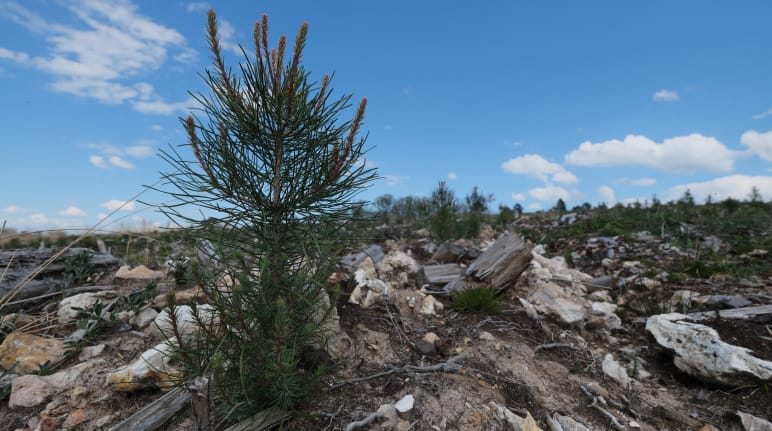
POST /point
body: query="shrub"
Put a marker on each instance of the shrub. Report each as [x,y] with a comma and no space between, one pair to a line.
[274,173]
[477,300]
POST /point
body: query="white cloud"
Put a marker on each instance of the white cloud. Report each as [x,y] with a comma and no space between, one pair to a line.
[395,180]
[734,186]
[227,33]
[114,204]
[13,209]
[121,163]
[18,57]
[161,107]
[97,161]
[759,143]
[549,193]
[452,176]
[536,206]
[607,195]
[197,6]
[72,211]
[679,154]
[139,151]
[536,166]
[641,182]
[156,127]
[666,96]
[93,56]
[764,114]
[518,197]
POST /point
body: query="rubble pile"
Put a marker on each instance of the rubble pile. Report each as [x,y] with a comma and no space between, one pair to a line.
[599,337]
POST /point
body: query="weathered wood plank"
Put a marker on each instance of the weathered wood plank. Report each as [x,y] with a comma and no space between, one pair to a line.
[502,263]
[263,420]
[157,413]
[761,313]
[442,274]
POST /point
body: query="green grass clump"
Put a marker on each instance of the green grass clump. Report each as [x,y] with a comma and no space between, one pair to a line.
[477,300]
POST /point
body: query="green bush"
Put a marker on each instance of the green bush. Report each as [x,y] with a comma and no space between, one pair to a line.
[477,300]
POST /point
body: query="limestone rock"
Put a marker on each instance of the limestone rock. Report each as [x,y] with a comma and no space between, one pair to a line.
[67,313]
[29,351]
[152,368]
[699,350]
[613,369]
[32,390]
[527,423]
[752,423]
[564,423]
[186,322]
[181,297]
[549,298]
[140,272]
[405,404]
[430,306]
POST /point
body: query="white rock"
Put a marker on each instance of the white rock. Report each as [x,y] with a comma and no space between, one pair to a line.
[752,423]
[67,314]
[390,414]
[551,298]
[564,423]
[152,368]
[144,317]
[604,308]
[431,337]
[141,272]
[487,336]
[397,260]
[699,350]
[186,323]
[613,369]
[405,404]
[430,306]
[32,390]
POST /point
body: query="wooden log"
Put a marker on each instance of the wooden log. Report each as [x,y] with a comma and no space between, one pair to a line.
[154,415]
[263,420]
[17,265]
[761,313]
[199,403]
[441,274]
[352,261]
[502,263]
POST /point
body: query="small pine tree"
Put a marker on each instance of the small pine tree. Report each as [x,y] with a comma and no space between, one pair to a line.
[443,213]
[275,172]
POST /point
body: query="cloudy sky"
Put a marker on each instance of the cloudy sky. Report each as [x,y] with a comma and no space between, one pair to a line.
[592,101]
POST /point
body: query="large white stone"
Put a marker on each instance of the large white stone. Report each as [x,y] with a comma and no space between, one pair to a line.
[613,369]
[152,368]
[186,322]
[551,298]
[699,350]
[67,312]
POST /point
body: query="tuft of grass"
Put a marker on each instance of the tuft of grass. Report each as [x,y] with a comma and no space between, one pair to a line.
[477,300]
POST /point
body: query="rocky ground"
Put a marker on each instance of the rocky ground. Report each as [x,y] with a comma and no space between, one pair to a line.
[610,341]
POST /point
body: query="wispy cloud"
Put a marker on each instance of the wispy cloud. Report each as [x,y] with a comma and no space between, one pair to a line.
[666,96]
[639,182]
[536,166]
[97,161]
[101,53]
[121,163]
[114,204]
[395,180]
[452,176]
[72,211]
[686,154]
[764,114]
[197,6]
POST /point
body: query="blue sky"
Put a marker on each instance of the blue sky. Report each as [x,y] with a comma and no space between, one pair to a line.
[587,101]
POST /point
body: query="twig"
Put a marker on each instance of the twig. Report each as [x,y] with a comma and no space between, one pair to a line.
[596,399]
[451,365]
[550,346]
[362,422]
